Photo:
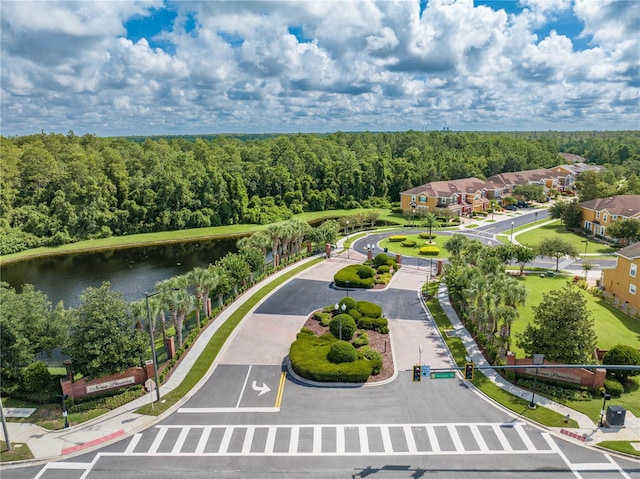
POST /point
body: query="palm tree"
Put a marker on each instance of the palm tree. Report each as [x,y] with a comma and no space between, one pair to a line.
[300,230]
[197,278]
[431,221]
[237,268]
[179,302]
[274,233]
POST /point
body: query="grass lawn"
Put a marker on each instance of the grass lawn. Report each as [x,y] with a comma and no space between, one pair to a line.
[19,452]
[555,229]
[438,241]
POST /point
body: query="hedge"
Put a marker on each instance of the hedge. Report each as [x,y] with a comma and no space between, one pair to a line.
[381,259]
[374,356]
[380,325]
[344,322]
[350,274]
[426,236]
[409,244]
[365,271]
[382,269]
[308,356]
[367,308]
[397,238]
[430,250]
[342,352]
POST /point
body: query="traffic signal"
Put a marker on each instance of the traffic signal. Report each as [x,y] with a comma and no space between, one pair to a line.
[416,373]
[468,371]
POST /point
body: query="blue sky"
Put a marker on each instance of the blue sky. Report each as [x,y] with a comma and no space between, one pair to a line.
[172,67]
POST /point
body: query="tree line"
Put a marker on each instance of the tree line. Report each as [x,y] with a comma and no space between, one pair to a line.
[58,189]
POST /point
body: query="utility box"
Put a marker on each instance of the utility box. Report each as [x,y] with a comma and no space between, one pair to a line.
[615,416]
[550,274]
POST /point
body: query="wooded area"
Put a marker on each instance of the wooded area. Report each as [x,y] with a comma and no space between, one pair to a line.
[58,189]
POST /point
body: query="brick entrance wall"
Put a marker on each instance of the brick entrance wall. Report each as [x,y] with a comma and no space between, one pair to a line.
[584,377]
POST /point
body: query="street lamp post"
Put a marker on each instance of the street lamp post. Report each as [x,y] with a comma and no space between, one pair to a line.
[511,240]
[535,215]
[347,229]
[344,309]
[153,344]
[605,398]
[586,245]
[538,359]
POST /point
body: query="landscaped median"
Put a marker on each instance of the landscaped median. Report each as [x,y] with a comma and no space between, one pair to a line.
[211,350]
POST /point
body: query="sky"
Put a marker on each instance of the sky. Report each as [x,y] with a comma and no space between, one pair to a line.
[201,67]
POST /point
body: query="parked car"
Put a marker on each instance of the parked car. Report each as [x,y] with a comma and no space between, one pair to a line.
[511,207]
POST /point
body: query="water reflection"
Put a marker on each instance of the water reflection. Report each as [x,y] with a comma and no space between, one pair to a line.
[130,271]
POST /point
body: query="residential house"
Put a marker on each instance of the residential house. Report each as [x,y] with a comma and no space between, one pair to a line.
[504,183]
[460,196]
[621,281]
[599,213]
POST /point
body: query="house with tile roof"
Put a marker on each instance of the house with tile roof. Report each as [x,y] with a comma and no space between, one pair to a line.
[460,196]
[506,182]
[621,281]
[599,213]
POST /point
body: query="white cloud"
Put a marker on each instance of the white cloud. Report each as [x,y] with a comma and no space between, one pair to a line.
[361,65]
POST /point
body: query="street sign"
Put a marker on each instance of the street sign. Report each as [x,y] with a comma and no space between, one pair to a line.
[443,375]
[426,371]
[149,384]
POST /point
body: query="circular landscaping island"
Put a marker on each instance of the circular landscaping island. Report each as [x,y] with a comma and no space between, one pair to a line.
[344,342]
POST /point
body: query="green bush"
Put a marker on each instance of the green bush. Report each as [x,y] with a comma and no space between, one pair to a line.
[36,377]
[349,302]
[324,318]
[355,314]
[382,269]
[342,352]
[346,322]
[348,274]
[397,238]
[380,325]
[374,356]
[613,387]
[409,244]
[625,355]
[426,235]
[392,264]
[367,283]
[383,278]
[430,250]
[367,308]
[308,356]
[380,259]
[365,271]
[361,339]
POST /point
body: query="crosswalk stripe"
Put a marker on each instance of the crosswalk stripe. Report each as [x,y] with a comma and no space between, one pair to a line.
[248,439]
[293,440]
[317,439]
[180,441]
[271,439]
[226,440]
[457,443]
[133,443]
[386,439]
[364,439]
[525,437]
[411,442]
[433,439]
[340,440]
[477,435]
[501,437]
[204,437]
[158,440]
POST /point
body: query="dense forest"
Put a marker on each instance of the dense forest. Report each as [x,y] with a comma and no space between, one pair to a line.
[58,189]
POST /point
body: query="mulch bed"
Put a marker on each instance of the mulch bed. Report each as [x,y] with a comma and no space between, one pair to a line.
[379,342]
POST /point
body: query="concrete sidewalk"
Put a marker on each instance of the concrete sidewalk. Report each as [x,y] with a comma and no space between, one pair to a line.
[587,428]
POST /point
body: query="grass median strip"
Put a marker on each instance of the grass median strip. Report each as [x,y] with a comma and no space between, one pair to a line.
[211,350]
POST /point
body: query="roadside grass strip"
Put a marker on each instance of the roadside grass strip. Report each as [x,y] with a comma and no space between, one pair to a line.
[211,350]
[625,447]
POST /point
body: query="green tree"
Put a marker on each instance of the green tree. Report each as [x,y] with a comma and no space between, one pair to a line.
[103,338]
[572,215]
[523,255]
[237,268]
[627,230]
[531,192]
[431,221]
[29,325]
[555,247]
[562,328]
[557,209]
[622,354]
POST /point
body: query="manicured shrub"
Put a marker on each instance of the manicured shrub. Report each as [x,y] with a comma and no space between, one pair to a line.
[365,271]
[613,387]
[374,356]
[346,322]
[397,238]
[426,235]
[383,278]
[324,318]
[409,244]
[380,259]
[370,309]
[342,352]
[349,302]
[392,264]
[430,250]
[355,314]
[348,274]
[383,269]
[380,325]
[622,354]
[361,339]
[367,283]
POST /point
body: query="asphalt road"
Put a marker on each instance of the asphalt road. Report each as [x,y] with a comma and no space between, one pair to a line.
[251,421]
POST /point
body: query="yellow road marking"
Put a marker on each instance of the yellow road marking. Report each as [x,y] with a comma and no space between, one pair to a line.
[283,377]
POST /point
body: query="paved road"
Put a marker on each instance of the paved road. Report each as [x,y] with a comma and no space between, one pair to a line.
[252,421]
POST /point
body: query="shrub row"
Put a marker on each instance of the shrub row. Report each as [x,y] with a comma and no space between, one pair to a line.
[426,235]
[397,238]
[556,391]
[409,244]
[430,250]
[349,274]
[381,325]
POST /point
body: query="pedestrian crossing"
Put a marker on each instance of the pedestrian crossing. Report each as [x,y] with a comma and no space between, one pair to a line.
[341,440]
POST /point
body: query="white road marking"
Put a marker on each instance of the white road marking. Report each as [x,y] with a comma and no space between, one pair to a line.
[158,440]
[177,447]
[411,442]
[248,439]
[271,439]
[386,439]
[225,410]
[133,443]
[497,428]
[525,437]
[293,440]
[455,437]
[364,439]
[477,435]
[340,440]
[433,439]
[317,440]
[202,443]
[246,378]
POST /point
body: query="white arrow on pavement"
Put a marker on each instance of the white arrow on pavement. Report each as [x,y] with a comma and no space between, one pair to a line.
[264,389]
